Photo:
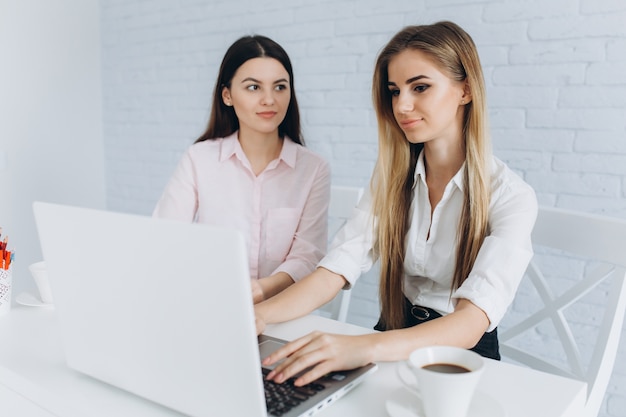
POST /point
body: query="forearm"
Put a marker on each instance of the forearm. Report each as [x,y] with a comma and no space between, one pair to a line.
[464,327]
[328,352]
[299,299]
[275,284]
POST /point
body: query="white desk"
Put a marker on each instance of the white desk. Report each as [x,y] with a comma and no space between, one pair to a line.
[34,381]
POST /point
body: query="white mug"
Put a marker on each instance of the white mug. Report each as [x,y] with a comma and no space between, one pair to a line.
[444,378]
[40,274]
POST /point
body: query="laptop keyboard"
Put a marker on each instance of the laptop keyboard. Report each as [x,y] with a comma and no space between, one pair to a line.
[280,398]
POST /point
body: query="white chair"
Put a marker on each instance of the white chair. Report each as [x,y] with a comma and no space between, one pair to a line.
[597,245]
[342,201]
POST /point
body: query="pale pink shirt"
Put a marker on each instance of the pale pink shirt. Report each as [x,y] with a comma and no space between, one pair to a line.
[430,259]
[282,212]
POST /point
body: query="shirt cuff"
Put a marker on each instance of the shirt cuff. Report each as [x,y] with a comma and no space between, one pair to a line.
[342,264]
[495,277]
[295,269]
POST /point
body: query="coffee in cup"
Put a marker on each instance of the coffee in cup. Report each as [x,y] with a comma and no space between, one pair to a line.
[440,374]
[446,368]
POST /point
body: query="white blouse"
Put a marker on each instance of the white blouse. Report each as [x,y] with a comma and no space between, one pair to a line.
[430,260]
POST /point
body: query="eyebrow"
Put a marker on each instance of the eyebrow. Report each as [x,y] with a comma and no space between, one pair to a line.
[410,80]
[254,80]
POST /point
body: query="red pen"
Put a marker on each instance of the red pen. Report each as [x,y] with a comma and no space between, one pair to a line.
[7,259]
[4,253]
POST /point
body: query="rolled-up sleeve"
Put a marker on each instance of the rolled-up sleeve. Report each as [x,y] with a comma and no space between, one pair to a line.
[311,237]
[505,253]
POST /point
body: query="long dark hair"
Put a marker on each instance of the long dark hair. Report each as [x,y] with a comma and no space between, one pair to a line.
[223,120]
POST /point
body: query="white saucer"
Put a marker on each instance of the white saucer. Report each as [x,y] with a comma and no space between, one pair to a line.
[403,403]
[28,299]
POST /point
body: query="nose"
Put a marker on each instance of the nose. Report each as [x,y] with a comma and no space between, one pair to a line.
[268,98]
[404,104]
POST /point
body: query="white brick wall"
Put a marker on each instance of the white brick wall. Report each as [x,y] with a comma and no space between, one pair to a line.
[555,72]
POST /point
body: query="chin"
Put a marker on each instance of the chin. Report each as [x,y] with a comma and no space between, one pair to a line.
[414,139]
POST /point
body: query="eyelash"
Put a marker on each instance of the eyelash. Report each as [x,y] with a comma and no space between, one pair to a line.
[255,87]
[420,88]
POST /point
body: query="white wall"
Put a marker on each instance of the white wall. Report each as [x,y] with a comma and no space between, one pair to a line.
[555,71]
[50,116]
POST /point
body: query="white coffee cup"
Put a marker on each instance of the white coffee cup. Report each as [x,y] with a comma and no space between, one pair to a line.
[444,378]
[39,272]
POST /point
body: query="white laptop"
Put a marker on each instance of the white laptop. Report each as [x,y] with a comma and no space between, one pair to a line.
[163,309]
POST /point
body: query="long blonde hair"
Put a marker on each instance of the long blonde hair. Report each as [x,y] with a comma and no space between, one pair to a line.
[392,183]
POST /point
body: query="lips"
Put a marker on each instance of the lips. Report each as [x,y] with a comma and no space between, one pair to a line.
[267,114]
[409,123]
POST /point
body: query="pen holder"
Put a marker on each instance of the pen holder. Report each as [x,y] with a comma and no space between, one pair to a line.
[6,276]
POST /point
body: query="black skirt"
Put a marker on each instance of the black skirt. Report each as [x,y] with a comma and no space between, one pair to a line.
[487,346]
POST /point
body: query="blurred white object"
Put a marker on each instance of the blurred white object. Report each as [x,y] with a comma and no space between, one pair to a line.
[40,274]
[5,290]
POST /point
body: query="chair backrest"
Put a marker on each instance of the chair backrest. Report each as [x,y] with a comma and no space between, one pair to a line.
[343,200]
[596,245]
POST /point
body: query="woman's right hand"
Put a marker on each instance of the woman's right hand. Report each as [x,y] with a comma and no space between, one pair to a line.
[321,353]
[298,299]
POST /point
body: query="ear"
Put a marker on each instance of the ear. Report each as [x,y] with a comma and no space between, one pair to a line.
[467,94]
[226,97]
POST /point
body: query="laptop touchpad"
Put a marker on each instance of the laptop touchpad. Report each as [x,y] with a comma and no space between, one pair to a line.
[266,347]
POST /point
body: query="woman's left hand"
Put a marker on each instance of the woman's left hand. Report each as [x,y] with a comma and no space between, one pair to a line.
[258,294]
[323,352]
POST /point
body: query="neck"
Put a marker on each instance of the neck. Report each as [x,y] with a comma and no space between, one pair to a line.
[443,162]
[260,149]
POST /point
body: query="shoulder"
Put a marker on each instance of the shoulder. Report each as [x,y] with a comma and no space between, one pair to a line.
[505,180]
[307,158]
[309,155]
[509,189]
[209,145]
[202,155]
[208,149]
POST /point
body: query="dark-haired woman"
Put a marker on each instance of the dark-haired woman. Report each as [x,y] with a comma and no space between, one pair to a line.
[250,170]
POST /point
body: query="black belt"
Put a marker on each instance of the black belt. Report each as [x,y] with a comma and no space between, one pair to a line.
[422,313]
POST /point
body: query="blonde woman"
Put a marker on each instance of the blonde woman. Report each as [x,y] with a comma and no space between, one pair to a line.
[449,222]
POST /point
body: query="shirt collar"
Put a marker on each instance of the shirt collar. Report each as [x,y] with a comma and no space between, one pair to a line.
[231,146]
[289,153]
[420,173]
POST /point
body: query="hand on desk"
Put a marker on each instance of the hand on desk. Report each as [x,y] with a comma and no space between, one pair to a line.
[324,352]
